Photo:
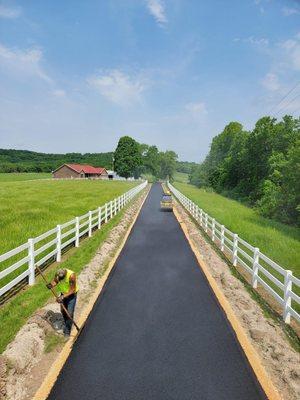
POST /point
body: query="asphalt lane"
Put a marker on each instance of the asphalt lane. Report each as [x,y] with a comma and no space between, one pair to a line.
[157,331]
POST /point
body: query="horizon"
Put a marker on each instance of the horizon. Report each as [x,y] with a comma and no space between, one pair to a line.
[166,72]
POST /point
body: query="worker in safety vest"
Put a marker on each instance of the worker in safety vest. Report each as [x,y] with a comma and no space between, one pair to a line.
[66,283]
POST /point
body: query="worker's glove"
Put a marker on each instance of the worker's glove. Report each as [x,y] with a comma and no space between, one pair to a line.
[49,285]
[60,299]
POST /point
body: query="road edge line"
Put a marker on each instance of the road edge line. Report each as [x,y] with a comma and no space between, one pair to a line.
[44,390]
[250,352]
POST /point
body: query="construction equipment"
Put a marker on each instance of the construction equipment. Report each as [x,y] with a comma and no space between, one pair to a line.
[55,295]
[166,202]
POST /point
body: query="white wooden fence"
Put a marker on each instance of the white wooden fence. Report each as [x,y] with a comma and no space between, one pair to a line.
[39,250]
[279,282]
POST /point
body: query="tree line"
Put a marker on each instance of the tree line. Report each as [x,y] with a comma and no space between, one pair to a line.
[260,167]
[134,159]
[149,161]
[30,161]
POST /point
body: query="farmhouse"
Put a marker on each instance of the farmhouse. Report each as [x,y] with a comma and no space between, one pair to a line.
[72,171]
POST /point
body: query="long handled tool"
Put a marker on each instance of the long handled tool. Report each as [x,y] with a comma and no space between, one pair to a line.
[55,295]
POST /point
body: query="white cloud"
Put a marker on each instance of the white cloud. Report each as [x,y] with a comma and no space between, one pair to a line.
[9,12]
[287,11]
[291,48]
[271,82]
[118,87]
[196,109]
[23,62]
[58,93]
[157,9]
[254,41]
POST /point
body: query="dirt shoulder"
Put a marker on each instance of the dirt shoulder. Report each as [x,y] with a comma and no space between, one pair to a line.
[280,360]
[29,357]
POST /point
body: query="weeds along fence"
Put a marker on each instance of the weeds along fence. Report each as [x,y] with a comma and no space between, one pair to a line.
[19,264]
[277,281]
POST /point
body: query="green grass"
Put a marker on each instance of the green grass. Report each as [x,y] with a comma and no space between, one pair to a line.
[28,209]
[181,177]
[279,242]
[52,340]
[23,176]
[149,177]
[14,314]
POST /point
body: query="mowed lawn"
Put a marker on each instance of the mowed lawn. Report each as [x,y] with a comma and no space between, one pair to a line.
[28,209]
[181,177]
[279,242]
[23,176]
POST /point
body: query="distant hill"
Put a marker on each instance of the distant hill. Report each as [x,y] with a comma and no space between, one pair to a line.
[30,161]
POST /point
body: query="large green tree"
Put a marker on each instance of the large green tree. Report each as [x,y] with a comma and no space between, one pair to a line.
[152,161]
[127,157]
[167,162]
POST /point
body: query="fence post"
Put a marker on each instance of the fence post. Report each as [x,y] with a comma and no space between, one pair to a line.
[206,222]
[99,217]
[119,203]
[115,206]
[77,232]
[222,237]
[201,221]
[287,296]
[31,266]
[106,211]
[58,244]
[235,249]
[90,223]
[255,267]
[213,229]
[110,209]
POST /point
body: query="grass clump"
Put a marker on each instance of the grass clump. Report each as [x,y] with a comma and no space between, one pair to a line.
[52,340]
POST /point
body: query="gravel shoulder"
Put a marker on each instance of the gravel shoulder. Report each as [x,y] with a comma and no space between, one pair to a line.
[26,362]
[281,361]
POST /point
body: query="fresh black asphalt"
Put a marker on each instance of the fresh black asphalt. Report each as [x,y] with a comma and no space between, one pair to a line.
[157,332]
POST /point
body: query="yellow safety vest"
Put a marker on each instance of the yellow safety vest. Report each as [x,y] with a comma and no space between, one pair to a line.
[64,285]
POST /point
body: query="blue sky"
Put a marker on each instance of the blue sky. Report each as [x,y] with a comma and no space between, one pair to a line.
[77,75]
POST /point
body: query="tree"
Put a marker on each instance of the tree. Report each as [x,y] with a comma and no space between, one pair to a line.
[167,164]
[260,167]
[128,158]
[152,161]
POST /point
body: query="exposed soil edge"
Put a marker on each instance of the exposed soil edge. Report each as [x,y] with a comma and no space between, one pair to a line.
[15,367]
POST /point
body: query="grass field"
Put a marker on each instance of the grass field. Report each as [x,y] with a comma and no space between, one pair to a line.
[181,177]
[278,241]
[28,209]
[14,177]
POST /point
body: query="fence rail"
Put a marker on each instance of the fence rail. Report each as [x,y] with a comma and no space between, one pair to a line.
[277,281]
[37,251]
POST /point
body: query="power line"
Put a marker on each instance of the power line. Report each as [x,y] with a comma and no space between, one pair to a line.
[284,97]
[290,102]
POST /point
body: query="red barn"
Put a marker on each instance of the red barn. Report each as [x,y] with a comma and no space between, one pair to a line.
[79,171]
